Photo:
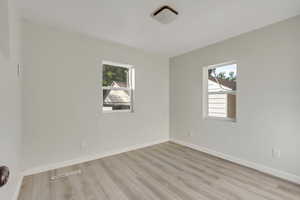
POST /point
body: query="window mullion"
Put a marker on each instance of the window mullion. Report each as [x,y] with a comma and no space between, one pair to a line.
[114,88]
[223,92]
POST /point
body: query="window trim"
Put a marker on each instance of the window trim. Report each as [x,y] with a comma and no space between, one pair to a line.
[131,87]
[205,92]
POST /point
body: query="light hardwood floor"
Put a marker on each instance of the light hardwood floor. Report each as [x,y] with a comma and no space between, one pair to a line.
[162,172]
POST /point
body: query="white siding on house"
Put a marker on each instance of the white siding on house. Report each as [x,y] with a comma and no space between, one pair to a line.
[217,105]
[215,87]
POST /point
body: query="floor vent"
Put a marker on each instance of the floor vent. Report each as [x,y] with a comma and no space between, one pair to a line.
[71,173]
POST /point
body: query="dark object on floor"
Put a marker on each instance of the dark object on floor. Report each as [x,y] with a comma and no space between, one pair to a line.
[4,175]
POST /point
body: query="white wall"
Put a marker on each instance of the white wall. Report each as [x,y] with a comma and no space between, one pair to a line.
[62,83]
[10,102]
[268,100]
[4,31]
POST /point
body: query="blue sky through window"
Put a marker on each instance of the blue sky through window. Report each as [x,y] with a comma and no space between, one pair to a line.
[227,69]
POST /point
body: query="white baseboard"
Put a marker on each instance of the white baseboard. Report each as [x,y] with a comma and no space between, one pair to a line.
[274,172]
[19,184]
[87,158]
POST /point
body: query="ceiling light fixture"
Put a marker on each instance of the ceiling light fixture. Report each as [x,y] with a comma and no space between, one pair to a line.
[165,14]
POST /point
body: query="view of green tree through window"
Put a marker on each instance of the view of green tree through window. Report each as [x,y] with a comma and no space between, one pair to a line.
[117,87]
[221,91]
[114,73]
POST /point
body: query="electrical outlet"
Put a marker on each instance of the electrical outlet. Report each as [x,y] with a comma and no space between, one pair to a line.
[276,153]
[190,133]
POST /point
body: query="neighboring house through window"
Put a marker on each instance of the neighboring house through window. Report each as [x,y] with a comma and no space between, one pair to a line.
[220,87]
[117,87]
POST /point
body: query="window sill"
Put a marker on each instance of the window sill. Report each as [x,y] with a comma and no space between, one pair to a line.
[117,111]
[220,119]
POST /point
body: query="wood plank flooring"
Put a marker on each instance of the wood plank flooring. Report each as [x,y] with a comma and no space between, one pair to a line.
[162,172]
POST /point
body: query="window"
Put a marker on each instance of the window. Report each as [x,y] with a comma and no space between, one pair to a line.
[117,87]
[220,85]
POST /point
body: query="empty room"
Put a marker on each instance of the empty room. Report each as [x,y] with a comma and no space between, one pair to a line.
[149,100]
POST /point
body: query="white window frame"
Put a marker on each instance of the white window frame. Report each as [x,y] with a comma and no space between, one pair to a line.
[206,93]
[130,89]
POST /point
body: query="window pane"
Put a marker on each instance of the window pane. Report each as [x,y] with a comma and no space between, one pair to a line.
[222,105]
[116,100]
[222,78]
[115,76]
